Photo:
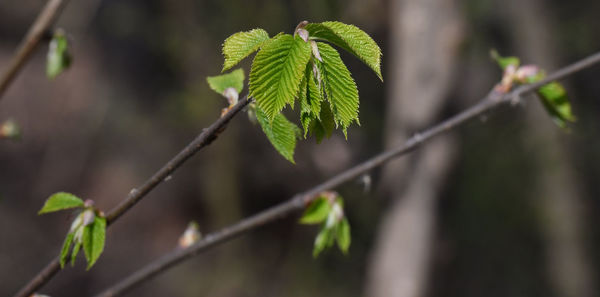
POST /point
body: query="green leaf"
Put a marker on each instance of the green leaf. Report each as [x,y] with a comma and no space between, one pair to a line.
[240,45]
[324,126]
[74,253]
[281,133]
[503,62]
[316,212]
[93,240]
[339,86]
[324,239]
[343,235]
[554,98]
[350,38]
[60,201]
[277,71]
[310,100]
[234,79]
[326,119]
[65,249]
[58,58]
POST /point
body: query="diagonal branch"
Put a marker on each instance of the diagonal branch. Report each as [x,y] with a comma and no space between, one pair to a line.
[205,138]
[31,41]
[299,201]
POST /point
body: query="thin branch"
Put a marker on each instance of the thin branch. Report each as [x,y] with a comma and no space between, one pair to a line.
[205,138]
[299,201]
[31,41]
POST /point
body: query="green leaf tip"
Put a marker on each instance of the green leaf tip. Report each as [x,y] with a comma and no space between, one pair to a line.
[233,79]
[281,133]
[504,62]
[61,201]
[58,58]
[277,71]
[242,44]
[93,239]
[351,39]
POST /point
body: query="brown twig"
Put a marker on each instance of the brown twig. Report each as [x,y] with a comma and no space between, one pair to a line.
[31,41]
[205,138]
[298,202]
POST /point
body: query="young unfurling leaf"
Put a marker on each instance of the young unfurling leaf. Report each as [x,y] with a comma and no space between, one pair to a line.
[60,201]
[58,58]
[339,87]
[504,62]
[327,210]
[342,235]
[552,95]
[289,67]
[87,229]
[234,79]
[277,71]
[281,133]
[10,130]
[93,240]
[350,38]
[64,253]
[316,212]
[555,100]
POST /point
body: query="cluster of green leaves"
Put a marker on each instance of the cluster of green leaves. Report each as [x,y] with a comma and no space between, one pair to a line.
[328,211]
[87,230]
[302,67]
[58,58]
[553,96]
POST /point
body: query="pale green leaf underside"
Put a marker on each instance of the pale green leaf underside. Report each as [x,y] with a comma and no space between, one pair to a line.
[277,71]
[74,253]
[310,100]
[93,240]
[324,239]
[280,132]
[339,86]
[240,45]
[350,38]
[58,58]
[65,249]
[343,235]
[234,79]
[60,201]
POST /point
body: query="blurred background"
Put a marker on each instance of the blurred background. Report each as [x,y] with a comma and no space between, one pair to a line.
[504,206]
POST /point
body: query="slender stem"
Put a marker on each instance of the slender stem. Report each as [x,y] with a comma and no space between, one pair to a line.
[205,138]
[31,41]
[299,201]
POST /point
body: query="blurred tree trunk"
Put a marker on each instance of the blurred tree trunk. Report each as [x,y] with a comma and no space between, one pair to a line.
[424,36]
[561,205]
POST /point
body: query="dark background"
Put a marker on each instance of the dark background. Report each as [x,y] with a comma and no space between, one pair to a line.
[136,94]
